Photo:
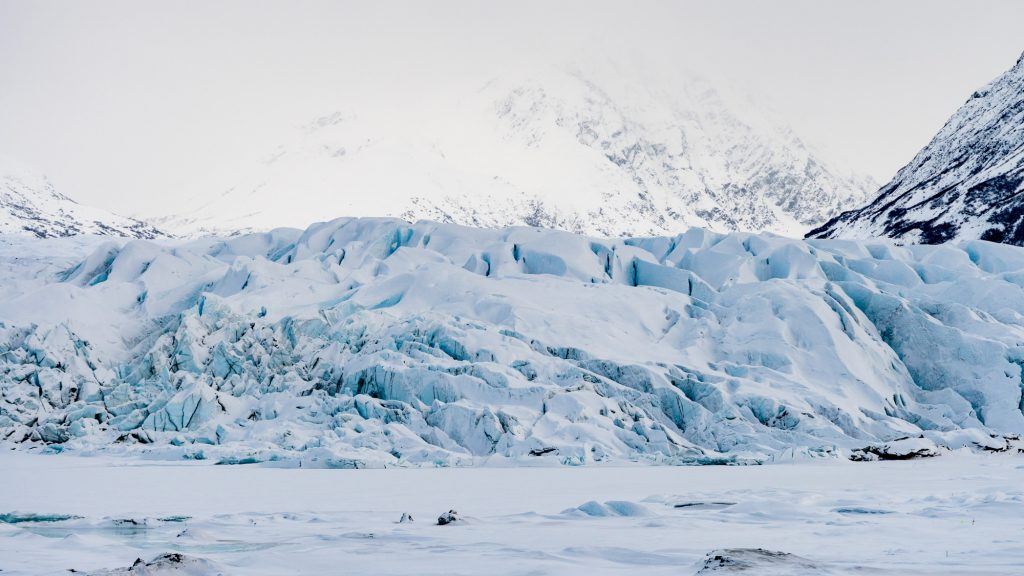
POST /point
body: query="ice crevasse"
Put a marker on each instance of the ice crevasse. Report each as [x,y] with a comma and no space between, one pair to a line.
[370,342]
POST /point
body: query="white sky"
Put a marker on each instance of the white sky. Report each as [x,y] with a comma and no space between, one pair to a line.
[124,103]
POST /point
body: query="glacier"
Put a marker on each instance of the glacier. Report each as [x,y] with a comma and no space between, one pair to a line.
[371,342]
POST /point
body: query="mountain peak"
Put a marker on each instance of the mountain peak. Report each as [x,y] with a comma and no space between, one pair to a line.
[555,147]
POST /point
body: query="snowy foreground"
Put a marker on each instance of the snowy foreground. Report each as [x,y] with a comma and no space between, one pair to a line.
[959,514]
[375,342]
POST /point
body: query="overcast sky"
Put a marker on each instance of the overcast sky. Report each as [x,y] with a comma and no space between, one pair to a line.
[124,102]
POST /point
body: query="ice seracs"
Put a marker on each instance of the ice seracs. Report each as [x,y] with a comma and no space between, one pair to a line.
[608,154]
[375,342]
[30,205]
[967,183]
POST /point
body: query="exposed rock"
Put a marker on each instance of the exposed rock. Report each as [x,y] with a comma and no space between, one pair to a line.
[448,517]
[172,563]
[902,449]
[758,562]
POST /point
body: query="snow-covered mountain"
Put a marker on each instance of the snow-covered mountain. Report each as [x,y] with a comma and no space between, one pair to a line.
[29,204]
[372,341]
[968,182]
[612,154]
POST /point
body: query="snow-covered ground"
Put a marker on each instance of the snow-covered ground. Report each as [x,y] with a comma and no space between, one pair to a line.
[957,514]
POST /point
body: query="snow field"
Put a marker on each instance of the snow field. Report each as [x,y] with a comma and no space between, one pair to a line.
[959,514]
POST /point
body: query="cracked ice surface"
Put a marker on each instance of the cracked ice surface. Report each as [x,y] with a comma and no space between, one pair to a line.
[370,342]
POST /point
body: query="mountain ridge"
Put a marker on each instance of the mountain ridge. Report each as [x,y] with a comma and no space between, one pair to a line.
[30,204]
[557,148]
[967,182]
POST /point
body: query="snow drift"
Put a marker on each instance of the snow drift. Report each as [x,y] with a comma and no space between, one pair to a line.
[368,342]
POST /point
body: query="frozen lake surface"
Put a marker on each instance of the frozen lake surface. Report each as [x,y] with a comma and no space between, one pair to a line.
[956,514]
